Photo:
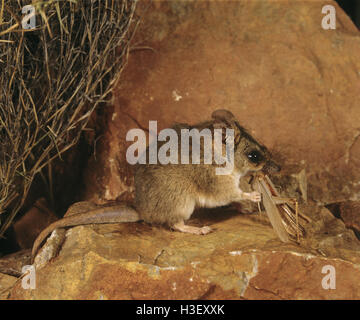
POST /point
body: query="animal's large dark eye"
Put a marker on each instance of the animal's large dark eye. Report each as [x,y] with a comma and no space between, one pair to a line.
[255,156]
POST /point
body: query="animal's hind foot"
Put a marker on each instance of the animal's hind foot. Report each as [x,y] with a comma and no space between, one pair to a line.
[190,229]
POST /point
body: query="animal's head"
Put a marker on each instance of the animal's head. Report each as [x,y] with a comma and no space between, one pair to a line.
[249,155]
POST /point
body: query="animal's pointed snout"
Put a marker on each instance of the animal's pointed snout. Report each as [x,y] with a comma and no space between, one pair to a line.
[272,166]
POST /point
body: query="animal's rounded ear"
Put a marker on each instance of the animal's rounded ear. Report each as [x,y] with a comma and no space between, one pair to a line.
[223,115]
[223,119]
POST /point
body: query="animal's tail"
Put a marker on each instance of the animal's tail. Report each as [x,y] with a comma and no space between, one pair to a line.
[112,214]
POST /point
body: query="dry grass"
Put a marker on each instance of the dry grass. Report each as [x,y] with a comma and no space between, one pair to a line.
[51,80]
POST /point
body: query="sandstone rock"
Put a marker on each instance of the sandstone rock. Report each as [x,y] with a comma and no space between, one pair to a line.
[350,214]
[32,223]
[12,264]
[6,284]
[241,259]
[294,85]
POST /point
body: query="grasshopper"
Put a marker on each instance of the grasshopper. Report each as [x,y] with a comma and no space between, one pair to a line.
[283,213]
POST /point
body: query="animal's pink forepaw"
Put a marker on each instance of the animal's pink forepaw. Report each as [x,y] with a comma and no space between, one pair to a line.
[254,196]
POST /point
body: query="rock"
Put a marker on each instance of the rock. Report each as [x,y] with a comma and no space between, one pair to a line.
[57,237]
[32,223]
[294,85]
[11,270]
[350,214]
[12,263]
[6,284]
[241,259]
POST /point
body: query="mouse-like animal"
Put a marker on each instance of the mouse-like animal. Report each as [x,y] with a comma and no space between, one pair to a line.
[168,194]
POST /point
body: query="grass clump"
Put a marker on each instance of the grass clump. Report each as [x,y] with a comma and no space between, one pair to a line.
[52,77]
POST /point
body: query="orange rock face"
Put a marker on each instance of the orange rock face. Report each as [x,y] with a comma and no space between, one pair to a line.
[350,214]
[294,85]
[32,222]
[242,259]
